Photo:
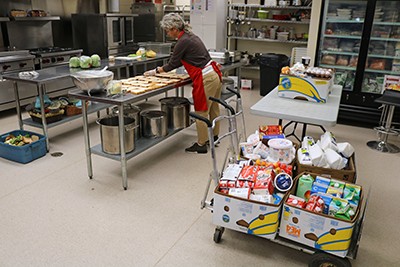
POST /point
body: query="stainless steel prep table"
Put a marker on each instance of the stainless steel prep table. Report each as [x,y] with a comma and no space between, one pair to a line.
[52,74]
[141,144]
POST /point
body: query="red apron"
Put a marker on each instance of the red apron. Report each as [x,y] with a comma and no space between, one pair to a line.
[196,74]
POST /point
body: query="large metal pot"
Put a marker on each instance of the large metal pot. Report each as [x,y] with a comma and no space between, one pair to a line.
[177,110]
[154,123]
[110,135]
[133,112]
[227,83]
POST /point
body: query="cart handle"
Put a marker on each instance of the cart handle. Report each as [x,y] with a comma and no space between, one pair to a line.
[234,91]
[222,102]
[196,116]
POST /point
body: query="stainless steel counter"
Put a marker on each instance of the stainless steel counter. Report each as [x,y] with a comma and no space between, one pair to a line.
[52,74]
[143,143]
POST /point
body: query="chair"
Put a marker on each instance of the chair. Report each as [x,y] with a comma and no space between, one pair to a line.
[390,99]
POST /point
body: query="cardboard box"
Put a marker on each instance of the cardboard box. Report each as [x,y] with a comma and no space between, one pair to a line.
[25,153]
[319,231]
[310,89]
[246,84]
[235,81]
[348,174]
[247,216]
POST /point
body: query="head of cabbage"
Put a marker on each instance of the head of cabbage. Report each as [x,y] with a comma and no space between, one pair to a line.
[74,62]
[95,60]
[85,62]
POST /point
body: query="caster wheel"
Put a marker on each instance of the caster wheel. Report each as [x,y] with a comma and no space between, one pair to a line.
[320,259]
[218,234]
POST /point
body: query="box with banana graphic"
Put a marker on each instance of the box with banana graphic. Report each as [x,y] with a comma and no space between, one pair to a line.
[317,230]
[247,216]
[305,88]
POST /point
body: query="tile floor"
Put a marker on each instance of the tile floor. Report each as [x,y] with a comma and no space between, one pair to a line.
[51,214]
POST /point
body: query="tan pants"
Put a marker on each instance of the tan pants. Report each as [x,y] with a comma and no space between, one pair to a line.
[212,87]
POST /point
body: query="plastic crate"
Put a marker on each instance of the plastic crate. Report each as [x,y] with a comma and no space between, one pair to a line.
[160,48]
[26,153]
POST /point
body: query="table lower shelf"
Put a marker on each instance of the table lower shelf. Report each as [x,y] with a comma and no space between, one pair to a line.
[93,107]
[141,145]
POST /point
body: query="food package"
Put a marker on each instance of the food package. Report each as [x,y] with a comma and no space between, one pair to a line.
[346,149]
[334,160]
[303,156]
[317,156]
[378,64]
[296,201]
[328,59]
[328,140]
[342,61]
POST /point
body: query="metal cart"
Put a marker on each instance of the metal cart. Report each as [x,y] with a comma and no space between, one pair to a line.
[319,258]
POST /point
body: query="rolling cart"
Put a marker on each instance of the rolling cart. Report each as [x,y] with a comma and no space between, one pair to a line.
[319,257]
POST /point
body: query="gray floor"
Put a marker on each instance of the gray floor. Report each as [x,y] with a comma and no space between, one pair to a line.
[51,214]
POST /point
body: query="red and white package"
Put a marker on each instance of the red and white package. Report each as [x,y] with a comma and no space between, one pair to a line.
[296,201]
[315,203]
[249,173]
[265,180]
[227,184]
[244,184]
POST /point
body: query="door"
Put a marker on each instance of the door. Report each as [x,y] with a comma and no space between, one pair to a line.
[340,40]
[115,32]
[383,56]
[129,30]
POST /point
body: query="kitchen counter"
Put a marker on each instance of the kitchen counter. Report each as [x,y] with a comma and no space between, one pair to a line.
[53,74]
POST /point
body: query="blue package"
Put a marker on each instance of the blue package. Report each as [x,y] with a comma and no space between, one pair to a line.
[318,188]
[322,180]
[46,101]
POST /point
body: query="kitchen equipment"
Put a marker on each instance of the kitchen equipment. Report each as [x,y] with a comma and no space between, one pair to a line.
[220,57]
[88,80]
[227,83]
[154,123]
[131,111]
[177,110]
[262,14]
[104,34]
[234,56]
[109,134]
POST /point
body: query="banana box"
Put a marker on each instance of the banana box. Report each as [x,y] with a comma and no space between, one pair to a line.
[310,89]
[319,231]
[247,216]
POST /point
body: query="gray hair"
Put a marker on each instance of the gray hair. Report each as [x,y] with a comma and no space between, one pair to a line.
[173,20]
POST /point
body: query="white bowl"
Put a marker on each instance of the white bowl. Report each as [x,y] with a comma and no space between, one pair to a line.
[88,80]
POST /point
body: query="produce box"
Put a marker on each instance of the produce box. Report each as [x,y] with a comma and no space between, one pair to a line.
[317,230]
[310,89]
[25,153]
[347,174]
[247,216]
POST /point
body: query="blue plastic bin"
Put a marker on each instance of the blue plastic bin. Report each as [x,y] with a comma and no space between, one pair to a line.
[26,153]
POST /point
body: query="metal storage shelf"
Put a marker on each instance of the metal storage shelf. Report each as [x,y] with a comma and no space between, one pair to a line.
[268,40]
[338,67]
[36,18]
[141,145]
[325,52]
[93,107]
[278,21]
[383,71]
[342,36]
[270,7]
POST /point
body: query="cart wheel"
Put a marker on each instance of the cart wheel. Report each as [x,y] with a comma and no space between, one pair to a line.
[321,259]
[218,234]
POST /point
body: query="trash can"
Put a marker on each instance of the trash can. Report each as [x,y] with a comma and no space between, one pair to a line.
[270,68]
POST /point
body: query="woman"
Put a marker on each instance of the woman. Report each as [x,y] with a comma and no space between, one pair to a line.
[191,52]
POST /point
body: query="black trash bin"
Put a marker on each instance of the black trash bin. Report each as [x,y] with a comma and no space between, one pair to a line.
[270,68]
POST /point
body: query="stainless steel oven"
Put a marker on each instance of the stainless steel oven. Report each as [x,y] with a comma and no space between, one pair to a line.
[103,34]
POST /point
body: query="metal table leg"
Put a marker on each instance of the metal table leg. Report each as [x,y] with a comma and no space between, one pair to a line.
[18,106]
[44,123]
[87,140]
[121,129]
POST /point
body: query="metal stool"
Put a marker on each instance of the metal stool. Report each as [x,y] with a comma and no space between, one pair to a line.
[390,99]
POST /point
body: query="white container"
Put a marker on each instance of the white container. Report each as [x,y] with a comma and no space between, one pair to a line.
[283,36]
[281,150]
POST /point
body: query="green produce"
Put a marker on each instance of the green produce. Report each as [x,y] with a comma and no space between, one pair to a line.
[85,62]
[74,62]
[95,60]
[132,55]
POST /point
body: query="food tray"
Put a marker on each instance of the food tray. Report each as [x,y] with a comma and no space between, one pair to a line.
[26,153]
[51,119]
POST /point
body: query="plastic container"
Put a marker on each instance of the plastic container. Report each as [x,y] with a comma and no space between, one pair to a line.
[26,153]
[270,69]
[158,47]
[262,14]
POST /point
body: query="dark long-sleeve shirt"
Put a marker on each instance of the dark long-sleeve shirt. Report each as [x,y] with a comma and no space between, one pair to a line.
[191,49]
